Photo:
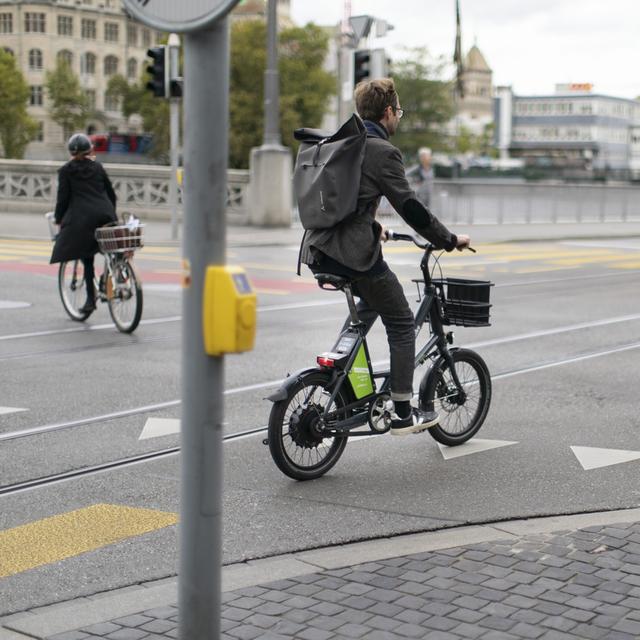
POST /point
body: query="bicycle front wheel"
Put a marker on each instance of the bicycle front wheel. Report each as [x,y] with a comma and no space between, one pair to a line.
[72,289]
[124,295]
[295,441]
[461,415]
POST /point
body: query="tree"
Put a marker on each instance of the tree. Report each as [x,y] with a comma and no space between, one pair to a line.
[69,105]
[17,128]
[426,99]
[305,87]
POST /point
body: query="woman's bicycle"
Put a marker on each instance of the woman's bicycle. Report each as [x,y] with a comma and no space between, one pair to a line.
[118,285]
[317,409]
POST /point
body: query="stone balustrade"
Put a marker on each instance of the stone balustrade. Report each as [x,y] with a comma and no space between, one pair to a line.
[30,186]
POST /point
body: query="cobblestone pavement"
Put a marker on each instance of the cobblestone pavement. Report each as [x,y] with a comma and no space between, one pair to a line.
[569,584]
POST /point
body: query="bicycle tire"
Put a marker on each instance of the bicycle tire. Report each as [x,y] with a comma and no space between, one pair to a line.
[125,297]
[72,290]
[290,430]
[459,422]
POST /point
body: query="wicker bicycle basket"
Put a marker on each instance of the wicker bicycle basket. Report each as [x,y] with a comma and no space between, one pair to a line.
[465,302]
[119,239]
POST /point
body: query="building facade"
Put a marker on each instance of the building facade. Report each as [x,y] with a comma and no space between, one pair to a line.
[573,128]
[474,111]
[95,37]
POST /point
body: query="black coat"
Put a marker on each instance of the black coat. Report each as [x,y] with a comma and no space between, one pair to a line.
[86,200]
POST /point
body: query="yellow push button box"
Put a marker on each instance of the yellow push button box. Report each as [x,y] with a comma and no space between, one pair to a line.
[228,311]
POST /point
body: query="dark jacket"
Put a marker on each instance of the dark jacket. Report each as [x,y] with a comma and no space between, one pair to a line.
[355,242]
[86,200]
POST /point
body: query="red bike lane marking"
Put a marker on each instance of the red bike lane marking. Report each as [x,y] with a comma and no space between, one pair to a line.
[159,277]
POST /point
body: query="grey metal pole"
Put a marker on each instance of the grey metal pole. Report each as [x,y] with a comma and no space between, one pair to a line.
[174,133]
[206,91]
[272,79]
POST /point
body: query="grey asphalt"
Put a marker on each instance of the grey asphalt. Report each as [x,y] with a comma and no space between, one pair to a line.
[561,577]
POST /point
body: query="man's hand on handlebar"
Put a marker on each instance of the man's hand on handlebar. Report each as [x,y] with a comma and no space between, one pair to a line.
[464,242]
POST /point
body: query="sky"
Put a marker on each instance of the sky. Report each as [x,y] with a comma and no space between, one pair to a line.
[531,45]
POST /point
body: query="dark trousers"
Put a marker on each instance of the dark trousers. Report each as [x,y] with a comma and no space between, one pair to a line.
[382,295]
[89,274]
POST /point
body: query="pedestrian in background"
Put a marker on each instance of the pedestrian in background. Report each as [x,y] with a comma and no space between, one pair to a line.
[85,201]
[424,176]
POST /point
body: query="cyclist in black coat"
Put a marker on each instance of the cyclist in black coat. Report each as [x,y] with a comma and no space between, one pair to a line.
[86,200]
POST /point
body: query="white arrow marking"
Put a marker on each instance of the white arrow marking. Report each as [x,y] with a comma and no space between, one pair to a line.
[156,427]
[473,446]
[594,458]
[10,410]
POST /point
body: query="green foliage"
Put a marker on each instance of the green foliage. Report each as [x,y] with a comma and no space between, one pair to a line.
[305,87]
[17,128]
[481,145]
[426,99]
[68,104]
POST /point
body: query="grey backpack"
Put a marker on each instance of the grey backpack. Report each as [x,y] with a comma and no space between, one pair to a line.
[326,179]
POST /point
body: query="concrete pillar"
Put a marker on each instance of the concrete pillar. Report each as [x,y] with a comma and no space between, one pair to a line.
[270,187]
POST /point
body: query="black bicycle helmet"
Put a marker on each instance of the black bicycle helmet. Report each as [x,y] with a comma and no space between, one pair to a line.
[78,143]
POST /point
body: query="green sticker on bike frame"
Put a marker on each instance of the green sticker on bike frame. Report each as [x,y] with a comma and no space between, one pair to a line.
[359,376]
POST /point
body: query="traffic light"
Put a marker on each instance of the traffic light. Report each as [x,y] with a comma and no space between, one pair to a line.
[361,66]
[159,70]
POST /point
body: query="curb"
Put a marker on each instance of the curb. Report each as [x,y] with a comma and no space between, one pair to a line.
[106,606]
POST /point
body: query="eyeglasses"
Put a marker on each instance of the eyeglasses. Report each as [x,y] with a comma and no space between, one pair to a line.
[397,110]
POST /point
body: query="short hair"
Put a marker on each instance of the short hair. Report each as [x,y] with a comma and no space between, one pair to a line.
[424,151]
[374,96]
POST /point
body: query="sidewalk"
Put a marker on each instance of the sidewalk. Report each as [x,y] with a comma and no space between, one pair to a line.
[549,578]
[34,227]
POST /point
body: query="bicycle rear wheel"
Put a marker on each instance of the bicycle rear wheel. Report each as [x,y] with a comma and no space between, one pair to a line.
[72,289]
[460,416]
[124,295]
[295,443]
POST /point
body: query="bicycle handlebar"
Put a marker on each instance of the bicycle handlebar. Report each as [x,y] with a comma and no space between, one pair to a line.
[422,244]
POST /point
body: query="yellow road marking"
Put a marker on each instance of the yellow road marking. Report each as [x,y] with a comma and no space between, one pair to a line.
[70,534]
[275,292]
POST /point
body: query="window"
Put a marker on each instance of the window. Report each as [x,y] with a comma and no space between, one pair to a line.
[65,56]
[88,29]
[6,23]
[110,65]
[110,102]
[146,38]
[65,25]
[132,68]
[35,60]
[35,99]
[88,64]
[111,31]
[91,98]
[40,132]
[132,34]
[34,22]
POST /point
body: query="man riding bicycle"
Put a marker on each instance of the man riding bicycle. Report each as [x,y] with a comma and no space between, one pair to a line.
[353,248]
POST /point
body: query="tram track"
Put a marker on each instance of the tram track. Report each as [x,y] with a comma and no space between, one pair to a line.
[153,456]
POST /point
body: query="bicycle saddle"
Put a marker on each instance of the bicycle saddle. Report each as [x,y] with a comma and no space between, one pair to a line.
[331,282]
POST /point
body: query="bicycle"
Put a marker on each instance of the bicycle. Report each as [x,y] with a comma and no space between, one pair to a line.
[317,409]
[118,285]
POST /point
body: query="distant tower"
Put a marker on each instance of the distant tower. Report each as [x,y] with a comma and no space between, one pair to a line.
[475,110]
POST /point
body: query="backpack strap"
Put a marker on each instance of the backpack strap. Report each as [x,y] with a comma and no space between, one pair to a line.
[304,235]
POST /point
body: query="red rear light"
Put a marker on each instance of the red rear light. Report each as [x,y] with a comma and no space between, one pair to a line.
[323,361]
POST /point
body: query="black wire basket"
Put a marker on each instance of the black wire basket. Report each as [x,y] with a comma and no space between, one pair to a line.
[465,302]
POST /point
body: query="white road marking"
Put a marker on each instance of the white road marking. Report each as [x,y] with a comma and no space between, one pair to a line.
[13,304]
[594,458]
[5,410]
[473,446]
[156,427]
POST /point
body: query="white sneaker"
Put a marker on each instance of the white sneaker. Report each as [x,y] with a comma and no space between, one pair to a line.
[415,422]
